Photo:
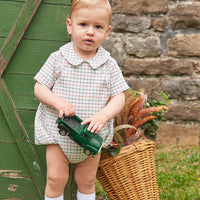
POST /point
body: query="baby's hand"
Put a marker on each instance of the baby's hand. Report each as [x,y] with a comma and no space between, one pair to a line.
[65,108]
[97,121]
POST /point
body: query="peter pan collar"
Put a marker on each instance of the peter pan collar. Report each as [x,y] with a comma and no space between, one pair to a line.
[70,55]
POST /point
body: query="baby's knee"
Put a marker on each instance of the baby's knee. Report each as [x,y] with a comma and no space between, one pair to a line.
[86,181]
[57,178]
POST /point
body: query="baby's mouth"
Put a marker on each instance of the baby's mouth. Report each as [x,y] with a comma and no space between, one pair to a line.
[89,41]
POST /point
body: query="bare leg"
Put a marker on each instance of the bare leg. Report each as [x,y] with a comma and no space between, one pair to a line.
[57,171]
[85,174]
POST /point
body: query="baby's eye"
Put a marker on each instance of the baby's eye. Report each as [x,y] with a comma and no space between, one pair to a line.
[98,26]
[83,24]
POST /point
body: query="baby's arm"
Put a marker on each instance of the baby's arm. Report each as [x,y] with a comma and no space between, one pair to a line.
[98,120]
[47,97]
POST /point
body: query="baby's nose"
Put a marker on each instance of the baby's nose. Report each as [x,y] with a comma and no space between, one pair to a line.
[90,30]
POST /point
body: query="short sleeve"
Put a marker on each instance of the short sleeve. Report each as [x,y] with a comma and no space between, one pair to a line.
[49,72]
[117,82]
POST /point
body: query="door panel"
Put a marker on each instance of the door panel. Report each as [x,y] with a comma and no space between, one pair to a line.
[25,43]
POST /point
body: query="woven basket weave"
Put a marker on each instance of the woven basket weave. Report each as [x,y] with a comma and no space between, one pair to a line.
[131,174]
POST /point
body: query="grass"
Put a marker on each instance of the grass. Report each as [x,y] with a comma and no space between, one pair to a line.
[178,174]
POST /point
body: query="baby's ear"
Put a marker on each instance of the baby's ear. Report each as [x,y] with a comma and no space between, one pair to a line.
[108,31]
[69,26]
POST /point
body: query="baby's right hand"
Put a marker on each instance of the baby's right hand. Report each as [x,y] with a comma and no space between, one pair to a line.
[65,108]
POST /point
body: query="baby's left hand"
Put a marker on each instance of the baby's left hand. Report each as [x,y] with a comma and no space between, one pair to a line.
[97,121]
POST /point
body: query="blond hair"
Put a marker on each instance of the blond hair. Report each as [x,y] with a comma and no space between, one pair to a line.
[77,4]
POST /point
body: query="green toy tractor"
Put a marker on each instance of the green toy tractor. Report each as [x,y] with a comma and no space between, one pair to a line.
[71,126]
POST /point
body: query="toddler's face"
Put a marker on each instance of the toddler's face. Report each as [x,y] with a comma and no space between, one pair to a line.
[89,27]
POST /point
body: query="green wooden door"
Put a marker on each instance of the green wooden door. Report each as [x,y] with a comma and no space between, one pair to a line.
[29,31]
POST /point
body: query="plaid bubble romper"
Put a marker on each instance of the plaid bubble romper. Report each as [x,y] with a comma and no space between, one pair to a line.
[87,84]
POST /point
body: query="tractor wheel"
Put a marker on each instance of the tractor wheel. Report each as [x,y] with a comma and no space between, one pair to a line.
[63,132]
[87,152]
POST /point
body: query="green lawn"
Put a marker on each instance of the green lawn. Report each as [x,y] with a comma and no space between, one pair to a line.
[178,174]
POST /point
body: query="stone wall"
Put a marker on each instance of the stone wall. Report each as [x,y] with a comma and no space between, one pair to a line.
[157,45]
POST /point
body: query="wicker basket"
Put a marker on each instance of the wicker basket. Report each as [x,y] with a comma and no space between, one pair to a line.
[131,174]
